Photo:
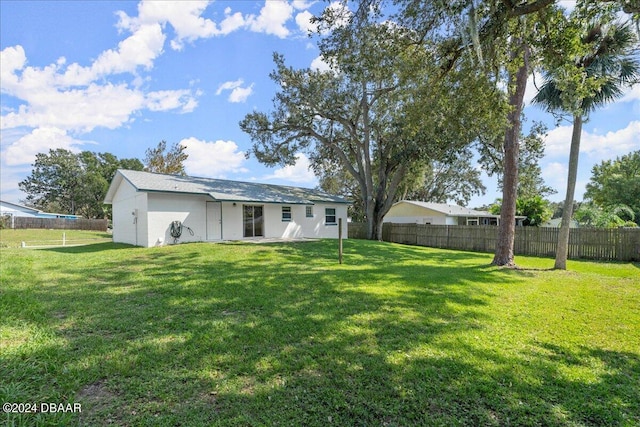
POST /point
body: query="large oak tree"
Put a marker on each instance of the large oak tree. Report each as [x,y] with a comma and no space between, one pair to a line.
[384,107]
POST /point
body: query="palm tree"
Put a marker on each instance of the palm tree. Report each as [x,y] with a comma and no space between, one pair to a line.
[609,67]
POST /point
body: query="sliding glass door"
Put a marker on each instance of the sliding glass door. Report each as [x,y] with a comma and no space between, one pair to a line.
[253,220]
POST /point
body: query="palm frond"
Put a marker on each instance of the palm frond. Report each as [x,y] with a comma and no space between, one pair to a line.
[614,61]
[549,96]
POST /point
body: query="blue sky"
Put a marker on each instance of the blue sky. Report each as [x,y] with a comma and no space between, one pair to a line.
[121,76]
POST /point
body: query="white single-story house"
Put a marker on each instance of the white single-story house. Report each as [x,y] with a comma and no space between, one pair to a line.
[415,212]
[15,210]
[151,209]
[555,223]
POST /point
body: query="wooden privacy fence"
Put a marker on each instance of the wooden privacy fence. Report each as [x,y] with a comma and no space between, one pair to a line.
[60,223]
[615,244]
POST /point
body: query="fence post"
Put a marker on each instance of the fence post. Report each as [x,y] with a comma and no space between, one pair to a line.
[64,239]
[340,240]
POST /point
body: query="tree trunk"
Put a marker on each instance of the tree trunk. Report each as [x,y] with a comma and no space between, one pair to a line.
[368,212]
[507,228]
[374,225]
[378,231]
[562,251]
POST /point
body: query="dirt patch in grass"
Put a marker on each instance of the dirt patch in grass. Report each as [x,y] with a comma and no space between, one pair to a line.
[96,399]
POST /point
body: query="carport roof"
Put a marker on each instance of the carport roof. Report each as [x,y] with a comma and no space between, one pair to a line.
[219,189]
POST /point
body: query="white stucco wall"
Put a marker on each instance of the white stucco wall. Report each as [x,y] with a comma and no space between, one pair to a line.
[408,213]
[164,208]
[231,221]
[127,227]
[299,227]
[156,211]
[434,220]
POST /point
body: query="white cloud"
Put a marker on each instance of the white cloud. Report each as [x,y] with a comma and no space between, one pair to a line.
[594,148]
[303,19]
[558,141]
[140,49]
[613,143]
[10,177]
[12,59]
[231,22]
[70,98]
[212,159]
[341,12]
[41,140]
[319,64]
[273,16]
[302,4]
[80,98]
[184,17]
[189,25]
[569,5]
[82,110]
[79,109]
[609,145]
[531,91]
[230,85]
[631,94]
[238,93]
[555,176]
[299,173]
[166,100]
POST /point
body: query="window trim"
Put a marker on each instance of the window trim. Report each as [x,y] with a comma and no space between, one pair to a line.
[287,216]
[309,211]
[327,215]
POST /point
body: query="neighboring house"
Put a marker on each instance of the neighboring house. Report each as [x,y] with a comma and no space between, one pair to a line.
[555,223]
[146,205]
[414,212]
[15,210]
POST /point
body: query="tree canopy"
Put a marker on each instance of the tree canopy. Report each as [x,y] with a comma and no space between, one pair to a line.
[384,107]
[73,183]
[591,215]
[616,182]
[166,160]
[453,178]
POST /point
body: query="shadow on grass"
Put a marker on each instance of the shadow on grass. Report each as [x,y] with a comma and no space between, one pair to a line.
[280,334]
[88,248]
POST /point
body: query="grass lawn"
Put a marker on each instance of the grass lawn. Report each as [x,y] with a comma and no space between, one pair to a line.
[35,237]
[281,334]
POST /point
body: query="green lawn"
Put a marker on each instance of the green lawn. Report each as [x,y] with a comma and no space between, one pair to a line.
[281,334]
[33,237]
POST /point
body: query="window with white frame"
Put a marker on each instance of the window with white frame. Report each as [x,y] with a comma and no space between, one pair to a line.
[286,213]
[330,216]
[309,211]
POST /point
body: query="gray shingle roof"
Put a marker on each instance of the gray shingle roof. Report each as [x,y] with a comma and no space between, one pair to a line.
[222,190]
